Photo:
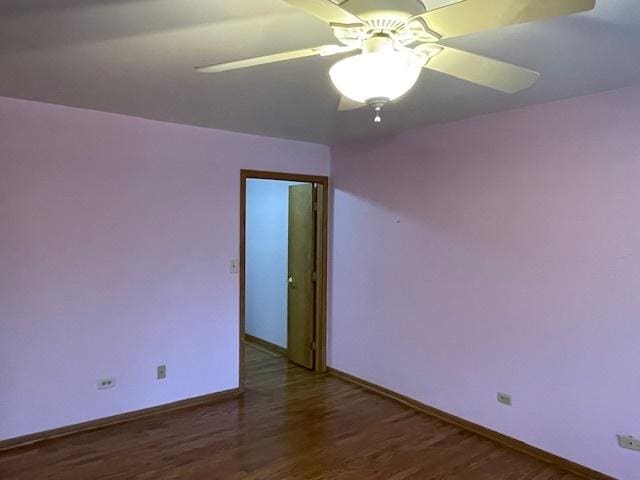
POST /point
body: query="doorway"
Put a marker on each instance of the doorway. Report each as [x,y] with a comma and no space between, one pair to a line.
[283,266]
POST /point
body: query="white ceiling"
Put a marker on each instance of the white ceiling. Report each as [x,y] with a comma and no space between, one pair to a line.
[137,56]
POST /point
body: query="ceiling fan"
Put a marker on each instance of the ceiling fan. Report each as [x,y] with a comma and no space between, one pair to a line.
[397,38]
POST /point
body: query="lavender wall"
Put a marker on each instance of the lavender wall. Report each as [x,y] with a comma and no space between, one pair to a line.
[116,236]
[500,253]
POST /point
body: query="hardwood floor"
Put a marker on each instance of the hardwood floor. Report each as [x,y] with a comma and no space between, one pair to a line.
[290,424]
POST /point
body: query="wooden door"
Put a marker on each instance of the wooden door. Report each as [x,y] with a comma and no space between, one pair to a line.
[301,288]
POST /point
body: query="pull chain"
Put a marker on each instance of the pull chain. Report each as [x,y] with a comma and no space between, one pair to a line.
[378,118]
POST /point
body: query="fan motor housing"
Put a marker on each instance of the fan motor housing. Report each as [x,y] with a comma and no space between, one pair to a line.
[397,10]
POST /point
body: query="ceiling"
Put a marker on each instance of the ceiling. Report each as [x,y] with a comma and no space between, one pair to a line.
[136,57]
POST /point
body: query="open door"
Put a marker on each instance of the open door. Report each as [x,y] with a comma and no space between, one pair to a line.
[302,260]
[306,266]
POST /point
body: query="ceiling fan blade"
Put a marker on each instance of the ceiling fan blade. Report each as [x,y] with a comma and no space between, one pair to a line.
[478,15]
[346,104]
[327,11]
[484,71]
[324,50]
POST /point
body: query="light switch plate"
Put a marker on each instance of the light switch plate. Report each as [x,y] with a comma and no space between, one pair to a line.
[234,266]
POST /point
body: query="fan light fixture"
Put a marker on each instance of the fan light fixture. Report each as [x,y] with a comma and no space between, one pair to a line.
[384,33]
[376,78]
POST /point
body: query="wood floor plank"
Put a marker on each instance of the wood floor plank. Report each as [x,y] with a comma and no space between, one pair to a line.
[290,424]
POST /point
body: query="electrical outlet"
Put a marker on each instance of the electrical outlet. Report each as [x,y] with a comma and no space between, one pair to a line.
[629,442]
[161,372]
[504,398]
[105,383]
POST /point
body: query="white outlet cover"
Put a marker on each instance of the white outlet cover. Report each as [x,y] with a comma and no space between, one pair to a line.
[504,398]
[629,442]
[106,383]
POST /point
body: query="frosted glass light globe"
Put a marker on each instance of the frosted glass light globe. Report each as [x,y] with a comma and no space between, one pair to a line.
[386,74]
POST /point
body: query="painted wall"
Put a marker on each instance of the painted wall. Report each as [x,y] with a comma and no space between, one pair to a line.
[116,237]
[267,242]
[501,253]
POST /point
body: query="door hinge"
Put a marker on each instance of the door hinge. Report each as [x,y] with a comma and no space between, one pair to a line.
[315,206]
[313,346]
[314,277]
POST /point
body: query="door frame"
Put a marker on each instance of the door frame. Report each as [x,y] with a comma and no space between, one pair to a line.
[320,327]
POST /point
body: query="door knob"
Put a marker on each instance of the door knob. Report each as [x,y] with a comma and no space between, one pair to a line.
[290,282]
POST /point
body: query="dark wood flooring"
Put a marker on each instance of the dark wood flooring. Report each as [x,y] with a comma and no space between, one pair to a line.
[290,424]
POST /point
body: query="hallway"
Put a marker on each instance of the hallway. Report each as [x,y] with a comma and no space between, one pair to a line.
[291,424]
